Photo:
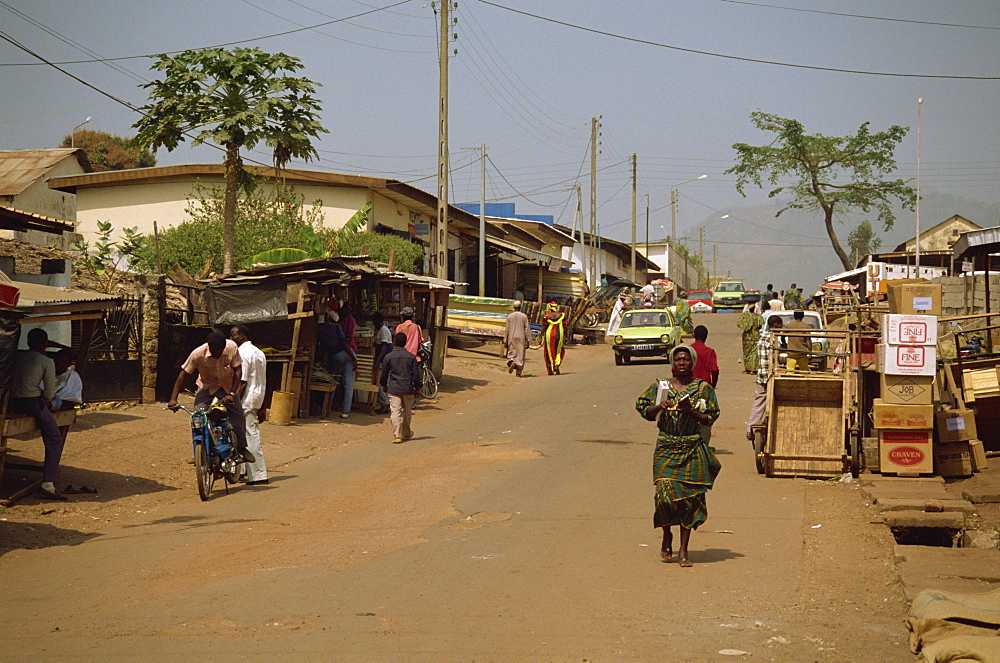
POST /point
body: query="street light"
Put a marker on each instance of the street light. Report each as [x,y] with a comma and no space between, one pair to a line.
[673,203]
[72,134]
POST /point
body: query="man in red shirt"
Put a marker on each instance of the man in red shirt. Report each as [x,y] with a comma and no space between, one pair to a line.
[707,368]
[414,335]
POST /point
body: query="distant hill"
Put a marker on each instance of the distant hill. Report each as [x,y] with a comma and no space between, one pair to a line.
[794,248]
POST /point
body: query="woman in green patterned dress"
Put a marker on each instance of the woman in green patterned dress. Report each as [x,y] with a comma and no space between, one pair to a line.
[684,467]
[750,322]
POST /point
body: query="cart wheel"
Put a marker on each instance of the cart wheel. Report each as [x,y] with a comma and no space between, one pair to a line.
[618,360]
[535,339]
[602,317]
[592,319]
[759,437]
[855,445]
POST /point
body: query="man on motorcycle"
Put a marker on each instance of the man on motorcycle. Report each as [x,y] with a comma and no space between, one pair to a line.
[220,371]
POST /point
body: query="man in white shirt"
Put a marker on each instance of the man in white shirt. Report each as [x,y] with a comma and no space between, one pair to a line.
[776,304]
[252,390]
[383,345]
[69,386]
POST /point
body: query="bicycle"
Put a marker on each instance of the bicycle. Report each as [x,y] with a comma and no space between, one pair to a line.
[214,442]
[428,383]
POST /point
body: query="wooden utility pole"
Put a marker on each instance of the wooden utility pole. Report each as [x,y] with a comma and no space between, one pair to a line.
[715,264]
[701,252]
[594,125]
[439,242]
[673,215]
[634,168]
[482,226]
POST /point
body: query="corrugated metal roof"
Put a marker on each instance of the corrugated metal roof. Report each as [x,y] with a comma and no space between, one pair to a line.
[33,294]
[977,239]
[19,169]
[13,219]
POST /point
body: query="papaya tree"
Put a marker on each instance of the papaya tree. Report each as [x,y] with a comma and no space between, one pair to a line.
[828,174]
[236,99]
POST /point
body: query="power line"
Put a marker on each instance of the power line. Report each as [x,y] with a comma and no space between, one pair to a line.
[231,43]
[871,18]
[730,57]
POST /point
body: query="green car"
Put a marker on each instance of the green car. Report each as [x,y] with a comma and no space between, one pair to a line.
[645,332]
[728,295]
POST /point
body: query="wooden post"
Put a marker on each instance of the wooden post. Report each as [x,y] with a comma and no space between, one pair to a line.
[286,378]
[541,271]
[989,333]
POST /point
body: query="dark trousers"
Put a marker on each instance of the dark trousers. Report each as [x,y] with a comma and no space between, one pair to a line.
[51,437]
[235,410]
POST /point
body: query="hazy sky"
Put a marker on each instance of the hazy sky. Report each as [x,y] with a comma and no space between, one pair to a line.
[528,88]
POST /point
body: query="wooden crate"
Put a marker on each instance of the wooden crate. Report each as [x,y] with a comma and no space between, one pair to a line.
[806,425]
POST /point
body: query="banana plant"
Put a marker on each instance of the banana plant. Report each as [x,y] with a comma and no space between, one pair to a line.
[314,244]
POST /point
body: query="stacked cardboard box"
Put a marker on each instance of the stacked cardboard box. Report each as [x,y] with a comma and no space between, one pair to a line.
[906,359]
[953,456]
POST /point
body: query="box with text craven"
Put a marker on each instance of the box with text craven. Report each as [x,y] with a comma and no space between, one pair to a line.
[906,451]
[909,329]
[907,389]
[908,417]
[906,359]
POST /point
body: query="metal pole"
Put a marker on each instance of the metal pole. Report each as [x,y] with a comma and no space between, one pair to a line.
[482,226]
[673,215]
[593,201]
[634,167]
[646,280]
[701,252]
[439,243]
[715,263]
[919,104]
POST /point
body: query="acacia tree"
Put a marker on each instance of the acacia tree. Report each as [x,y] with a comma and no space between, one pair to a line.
[107,151]
[236,99]
[863,241]
[833,174]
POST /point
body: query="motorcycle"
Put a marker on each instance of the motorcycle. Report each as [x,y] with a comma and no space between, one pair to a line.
[214,441]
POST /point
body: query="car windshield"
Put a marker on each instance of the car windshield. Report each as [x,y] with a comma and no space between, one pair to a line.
[729,287]
[811,320]
[645,319]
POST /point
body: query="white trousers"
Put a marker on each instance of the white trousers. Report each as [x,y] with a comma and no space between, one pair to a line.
[400,414]
[257,470]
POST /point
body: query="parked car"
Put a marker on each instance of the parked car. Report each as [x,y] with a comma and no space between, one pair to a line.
[700,300]
[728,295]
[814,319]
[647,332]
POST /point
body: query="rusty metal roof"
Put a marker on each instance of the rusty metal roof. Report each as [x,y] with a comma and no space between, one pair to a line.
[13,219]
[36,298]
[19,169]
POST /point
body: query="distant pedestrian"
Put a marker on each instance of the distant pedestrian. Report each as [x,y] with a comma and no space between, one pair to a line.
[776,303]
[383,346]
[252,389]
[768,293]
[793,298]
[515,338]
[647,294]
[706,368]
[684,466]
[682,314]
[401,380]
[554,338]
[750,323]
[764,346]
[798,346]
[341,359]
[518,295]
[414,334]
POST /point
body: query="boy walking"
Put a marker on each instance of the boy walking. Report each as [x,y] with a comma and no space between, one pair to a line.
[401,380]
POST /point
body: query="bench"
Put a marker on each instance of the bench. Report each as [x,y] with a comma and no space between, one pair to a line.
[23,424]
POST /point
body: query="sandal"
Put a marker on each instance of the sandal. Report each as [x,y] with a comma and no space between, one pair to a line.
[685,563]
[667,555]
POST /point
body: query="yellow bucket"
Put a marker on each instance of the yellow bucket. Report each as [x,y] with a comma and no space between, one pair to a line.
[282,407]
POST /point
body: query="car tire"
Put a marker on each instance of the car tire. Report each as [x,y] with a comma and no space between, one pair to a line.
[626,359]
[618,360]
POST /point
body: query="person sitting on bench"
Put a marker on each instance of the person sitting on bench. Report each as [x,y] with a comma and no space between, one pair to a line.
[32,390]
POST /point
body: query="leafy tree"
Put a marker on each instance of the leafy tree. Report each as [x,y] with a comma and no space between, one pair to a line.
[378,246]
[103,262]
[109,151]
[863,241]
[265,218]
[694,260]
[236,99]
[833,174]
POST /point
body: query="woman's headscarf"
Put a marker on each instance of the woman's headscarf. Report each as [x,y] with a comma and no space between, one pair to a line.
[553,307]
[686,348]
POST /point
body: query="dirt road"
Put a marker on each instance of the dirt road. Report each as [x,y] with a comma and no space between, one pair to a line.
[516,525]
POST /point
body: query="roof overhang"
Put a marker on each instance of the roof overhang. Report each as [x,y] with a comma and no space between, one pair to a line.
[977,242]
[12,219]
[546,260]
[36,299]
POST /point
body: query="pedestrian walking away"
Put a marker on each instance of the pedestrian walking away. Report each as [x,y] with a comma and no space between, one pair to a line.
[682,313]
[684,466]
[750,322]
[251,391]
[706,368]
[341,359]
[798,346]
[554,338]
[414,334]
[515,339]
[401,380]
[763,374]
[220,369]
[32,389]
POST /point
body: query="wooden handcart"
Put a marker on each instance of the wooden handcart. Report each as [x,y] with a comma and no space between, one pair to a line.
[810,425]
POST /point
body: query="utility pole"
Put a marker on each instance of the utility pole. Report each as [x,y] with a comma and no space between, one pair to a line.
[594,126]
[646,279]
[578,219]
[439,243]
[701,252]
[715,264]
[482,226]
[634,168]
[673,215]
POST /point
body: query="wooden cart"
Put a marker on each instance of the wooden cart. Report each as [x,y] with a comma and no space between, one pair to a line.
[810,426]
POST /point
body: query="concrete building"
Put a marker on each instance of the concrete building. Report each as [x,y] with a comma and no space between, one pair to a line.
[24,176]
[940,237]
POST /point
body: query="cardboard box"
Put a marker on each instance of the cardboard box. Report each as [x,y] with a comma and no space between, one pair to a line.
[953,459]
[898,329]
[914,297]
[902,417]
[956,426]
[906,359]
[978,452]
[907,389]
[906,451]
